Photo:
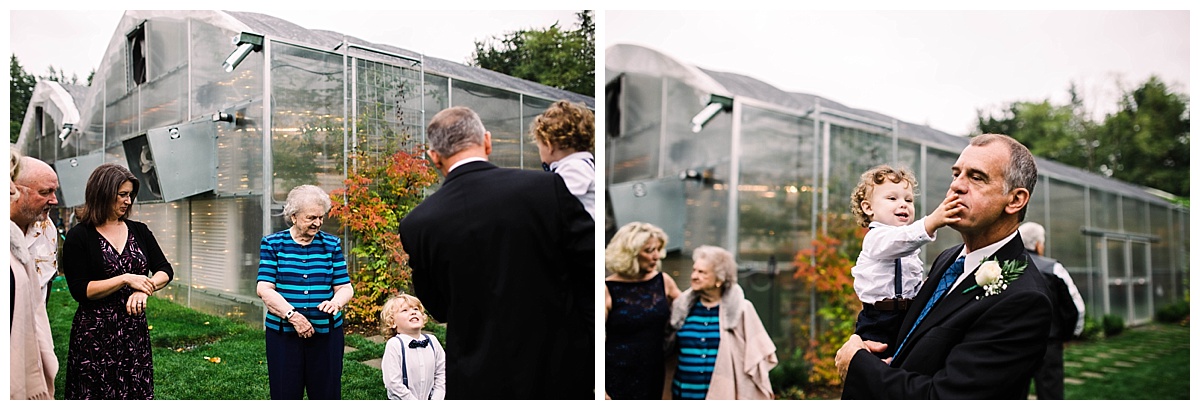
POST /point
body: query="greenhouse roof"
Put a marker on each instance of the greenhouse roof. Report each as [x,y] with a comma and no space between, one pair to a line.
[282,29]
[634,58]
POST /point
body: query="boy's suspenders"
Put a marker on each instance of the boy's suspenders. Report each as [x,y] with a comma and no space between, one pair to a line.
[404,364]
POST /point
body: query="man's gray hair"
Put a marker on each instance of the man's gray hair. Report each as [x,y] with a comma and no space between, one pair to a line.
[1022,169]
[302,196]
[453,130]
[1032,233]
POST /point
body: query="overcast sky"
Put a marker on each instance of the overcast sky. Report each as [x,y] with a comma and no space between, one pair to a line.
[76,40]
[925,67]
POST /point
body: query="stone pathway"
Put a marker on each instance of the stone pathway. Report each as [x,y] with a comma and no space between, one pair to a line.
[373,362]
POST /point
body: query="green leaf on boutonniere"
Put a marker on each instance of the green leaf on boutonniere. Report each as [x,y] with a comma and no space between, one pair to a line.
[994,276]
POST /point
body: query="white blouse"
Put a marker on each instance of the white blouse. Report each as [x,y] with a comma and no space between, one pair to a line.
[426,370]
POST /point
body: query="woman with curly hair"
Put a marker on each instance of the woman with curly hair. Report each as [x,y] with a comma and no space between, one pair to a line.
[637,303]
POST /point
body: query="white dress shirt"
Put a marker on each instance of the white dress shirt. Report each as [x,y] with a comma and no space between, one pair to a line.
[977,256]
[578,170]
[426,369]
[875,271]
[464,161]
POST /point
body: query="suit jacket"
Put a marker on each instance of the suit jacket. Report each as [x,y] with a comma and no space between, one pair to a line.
[964,348]
[506,257]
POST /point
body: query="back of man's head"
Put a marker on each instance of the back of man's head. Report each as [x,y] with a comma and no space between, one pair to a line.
[453,130]
[1032,233]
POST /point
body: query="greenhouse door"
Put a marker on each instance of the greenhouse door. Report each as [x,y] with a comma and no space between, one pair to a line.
[1127,264]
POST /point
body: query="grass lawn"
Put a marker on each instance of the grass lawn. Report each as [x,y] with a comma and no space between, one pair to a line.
[185,340]
[1149,362]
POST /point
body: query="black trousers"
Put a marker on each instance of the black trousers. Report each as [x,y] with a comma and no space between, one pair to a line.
[1048,381]
[296,365]
[880,326]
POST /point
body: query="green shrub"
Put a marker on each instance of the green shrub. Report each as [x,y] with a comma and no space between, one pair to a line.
[1173,313]
[1113,325]
[1091,330]
[789,379]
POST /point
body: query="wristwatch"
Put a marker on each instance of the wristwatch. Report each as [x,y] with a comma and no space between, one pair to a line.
[289,314]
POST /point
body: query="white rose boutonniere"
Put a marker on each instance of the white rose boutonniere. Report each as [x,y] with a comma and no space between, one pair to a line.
[994,277]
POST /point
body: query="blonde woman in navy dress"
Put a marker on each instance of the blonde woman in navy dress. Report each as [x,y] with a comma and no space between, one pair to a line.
[303,281]
[112,265]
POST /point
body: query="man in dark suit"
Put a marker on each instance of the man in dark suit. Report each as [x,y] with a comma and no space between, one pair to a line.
[506,258]
[970,343]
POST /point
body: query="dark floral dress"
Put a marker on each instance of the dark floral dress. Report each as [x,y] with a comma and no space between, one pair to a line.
[109,353]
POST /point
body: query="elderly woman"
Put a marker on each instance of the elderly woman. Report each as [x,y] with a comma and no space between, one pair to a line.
[112,265]
[32,363]
[722,351]
[303,281]
[637,303]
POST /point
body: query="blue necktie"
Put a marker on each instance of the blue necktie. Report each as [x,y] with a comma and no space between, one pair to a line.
[944,285]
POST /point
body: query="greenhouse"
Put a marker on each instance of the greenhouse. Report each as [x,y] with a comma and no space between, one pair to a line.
[723,159]
[219,131]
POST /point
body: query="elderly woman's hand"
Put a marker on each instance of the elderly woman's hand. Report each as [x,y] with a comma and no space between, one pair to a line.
[304,328]
[329,307]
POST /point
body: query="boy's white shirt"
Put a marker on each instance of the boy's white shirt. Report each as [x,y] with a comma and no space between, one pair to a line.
[426,369]
[875,271]
[580,177]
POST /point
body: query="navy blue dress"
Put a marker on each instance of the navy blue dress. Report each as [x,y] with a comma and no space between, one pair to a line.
[633,344]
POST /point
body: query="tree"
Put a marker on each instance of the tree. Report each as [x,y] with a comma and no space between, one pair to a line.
[20,91]
[559,58]
[1151,135]
[1145,142]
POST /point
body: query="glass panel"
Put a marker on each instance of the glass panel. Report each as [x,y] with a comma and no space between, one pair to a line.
[115,79]
[937,183]
[162,101]
[634,155]
[387,104]
[1133,215]
[774,209]
[852,152]
[214,89]
[240,152]
[685,150]
[169,224]
[1118,280]
[1140,282]
[531,107]
[307,138]
[121,118]
[1104,210]
[1167,286]
[774,200]
[166,46]
[500,112]
[437,95]
[224,256]
[1064,240]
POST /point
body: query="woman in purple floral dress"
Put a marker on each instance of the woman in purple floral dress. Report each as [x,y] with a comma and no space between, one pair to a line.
[112,265]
